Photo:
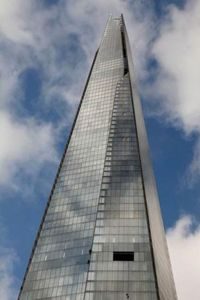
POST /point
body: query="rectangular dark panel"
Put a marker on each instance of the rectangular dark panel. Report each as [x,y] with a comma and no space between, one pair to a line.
[123,256]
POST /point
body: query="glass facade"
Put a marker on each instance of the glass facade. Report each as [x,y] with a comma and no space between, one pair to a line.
[95,240]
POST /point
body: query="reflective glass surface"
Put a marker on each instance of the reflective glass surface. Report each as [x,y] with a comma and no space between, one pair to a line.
[163,271]
[59,265]
[95,241]
[121,224]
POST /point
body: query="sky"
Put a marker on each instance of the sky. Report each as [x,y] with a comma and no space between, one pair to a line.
[46,50]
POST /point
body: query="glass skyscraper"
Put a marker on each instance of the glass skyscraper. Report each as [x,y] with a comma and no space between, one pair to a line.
[102,236]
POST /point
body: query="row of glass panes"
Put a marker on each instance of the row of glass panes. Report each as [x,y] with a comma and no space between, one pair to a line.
[103,205]
[58,263]
[92,276]
[119,296]
[99,230]
[53,292]
[108,256]
[121,239]
[110,222]
[62,238]
[130,286]
[71,271]
[57,281]
[121,266]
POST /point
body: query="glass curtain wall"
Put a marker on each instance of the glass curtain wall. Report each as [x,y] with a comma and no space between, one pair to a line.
[95,238]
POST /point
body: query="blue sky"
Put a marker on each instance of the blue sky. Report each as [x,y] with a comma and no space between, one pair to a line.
[46,49]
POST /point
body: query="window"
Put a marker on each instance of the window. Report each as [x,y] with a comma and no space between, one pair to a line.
[123,256]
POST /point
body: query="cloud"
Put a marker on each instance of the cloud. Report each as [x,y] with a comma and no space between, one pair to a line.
[26,145]
[27,141]
[177,52]
[8,282]
[31,36]
[13,25]
[176,86]
[184,248]
[59,42]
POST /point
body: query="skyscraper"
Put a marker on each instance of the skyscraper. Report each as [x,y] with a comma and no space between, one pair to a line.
[102,236]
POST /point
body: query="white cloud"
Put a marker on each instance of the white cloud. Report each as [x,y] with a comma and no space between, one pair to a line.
[184,248]
[8,282]
[177,51]
[32,36]
[25,145]
[176,90]
[13,16]
[26,142]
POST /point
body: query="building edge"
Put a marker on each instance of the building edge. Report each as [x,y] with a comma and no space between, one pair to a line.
[56,177]
[163,270]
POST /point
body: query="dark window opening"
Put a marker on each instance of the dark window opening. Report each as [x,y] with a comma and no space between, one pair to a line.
[124,53]
[123,256]
[125,71]
[123,44]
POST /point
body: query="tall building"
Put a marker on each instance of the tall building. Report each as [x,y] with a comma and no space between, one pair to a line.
[102,236]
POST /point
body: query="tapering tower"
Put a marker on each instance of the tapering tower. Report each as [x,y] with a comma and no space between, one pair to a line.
[102,235]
